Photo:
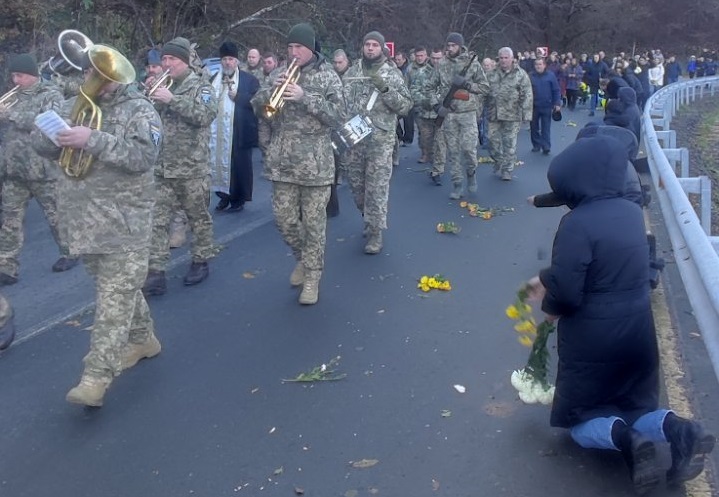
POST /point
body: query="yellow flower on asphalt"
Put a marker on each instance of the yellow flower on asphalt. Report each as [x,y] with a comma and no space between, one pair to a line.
[525,340]
[425,288]
[512,312]
[423,280]
[525,327]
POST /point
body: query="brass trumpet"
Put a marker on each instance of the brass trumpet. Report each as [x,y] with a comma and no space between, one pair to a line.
[10,98]
[162,81]
[277,101]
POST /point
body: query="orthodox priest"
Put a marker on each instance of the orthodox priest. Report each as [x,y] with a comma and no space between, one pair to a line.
[233,133]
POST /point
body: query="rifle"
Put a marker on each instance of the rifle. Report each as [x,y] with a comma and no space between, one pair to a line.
[450,94]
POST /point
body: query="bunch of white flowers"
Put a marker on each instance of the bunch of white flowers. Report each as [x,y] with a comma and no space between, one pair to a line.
[531,391]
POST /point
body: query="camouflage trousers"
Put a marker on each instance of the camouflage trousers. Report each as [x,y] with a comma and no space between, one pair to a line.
[264,134]
[426,128]
[301,217]
[193,196]
[121,311]
[439,151]
[15,196]
[461,135]
[503,144]
[368,169]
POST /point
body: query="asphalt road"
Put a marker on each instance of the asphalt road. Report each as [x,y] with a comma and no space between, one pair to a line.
[211,416]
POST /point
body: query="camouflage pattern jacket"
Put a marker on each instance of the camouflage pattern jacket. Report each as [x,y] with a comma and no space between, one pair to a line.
[510,96]
[110,209]
[69,84]
[358,89]
[18,159]
[421,91]
[442,80]
[186,120]
[300,151]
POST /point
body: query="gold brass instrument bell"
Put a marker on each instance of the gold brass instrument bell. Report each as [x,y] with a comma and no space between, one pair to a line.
[277,101]
[163,81]
[10,98]
[110,66]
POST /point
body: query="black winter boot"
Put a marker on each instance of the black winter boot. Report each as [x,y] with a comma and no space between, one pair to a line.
[198,272]
[155,283]
[640,455]
[689,443]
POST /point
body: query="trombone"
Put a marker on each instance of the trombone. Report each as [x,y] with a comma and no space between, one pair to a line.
[277,101]
[10,98]
[163,81]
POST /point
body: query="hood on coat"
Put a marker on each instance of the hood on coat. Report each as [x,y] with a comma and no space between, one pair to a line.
[627,96]
[589,169]
[622,135]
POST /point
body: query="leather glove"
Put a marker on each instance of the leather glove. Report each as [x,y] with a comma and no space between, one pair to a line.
[378,82]
[460,82]
[442,111]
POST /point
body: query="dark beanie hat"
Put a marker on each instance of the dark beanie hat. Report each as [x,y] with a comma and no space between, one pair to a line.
[179,47]
[24,63]
[376,36]
[229,49]
[303,34]
[154,58]
[455,38]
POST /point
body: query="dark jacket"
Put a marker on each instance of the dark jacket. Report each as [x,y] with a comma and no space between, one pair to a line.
[615,82]
[624,112]
[634,83]
[598,284]
[545,89]
[593,71]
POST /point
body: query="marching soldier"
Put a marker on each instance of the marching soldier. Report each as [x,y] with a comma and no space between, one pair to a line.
[374,88]
[421,74]
[106,217]
[27,174]
[299,158]
[182,171]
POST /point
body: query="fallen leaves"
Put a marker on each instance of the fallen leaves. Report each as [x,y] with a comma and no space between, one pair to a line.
[364,463]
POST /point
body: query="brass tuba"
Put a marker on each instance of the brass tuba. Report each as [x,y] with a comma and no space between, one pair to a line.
[110,66]
[73,47]
[10,98]
[277,101]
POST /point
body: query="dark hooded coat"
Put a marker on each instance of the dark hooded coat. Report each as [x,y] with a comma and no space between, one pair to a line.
[624,112]
[598,285]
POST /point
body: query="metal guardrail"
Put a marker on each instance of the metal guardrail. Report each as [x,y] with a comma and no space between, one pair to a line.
[695,249]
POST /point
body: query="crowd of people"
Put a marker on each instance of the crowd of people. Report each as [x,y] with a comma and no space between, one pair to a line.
[181,133]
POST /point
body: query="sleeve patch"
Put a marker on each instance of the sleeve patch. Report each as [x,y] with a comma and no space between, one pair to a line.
[206,95]
[155,133]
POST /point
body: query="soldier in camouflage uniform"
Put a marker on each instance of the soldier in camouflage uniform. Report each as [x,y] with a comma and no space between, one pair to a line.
[254,63]
[299,159]
[27,174]
[420,75]
[106,217]
[369,163]
[182,172]
[510,104]
[460,122]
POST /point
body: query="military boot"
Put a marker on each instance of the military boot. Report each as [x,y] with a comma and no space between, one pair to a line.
[374,243]
[457,192]
[689,444]
[472,181]
[199,271]
[89,392]
[155,283]
[298,274]
[310,287]
[135,352]
[64,264]
[7,279]
[7,329]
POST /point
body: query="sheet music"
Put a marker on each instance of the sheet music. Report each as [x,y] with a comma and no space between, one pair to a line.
[50,123]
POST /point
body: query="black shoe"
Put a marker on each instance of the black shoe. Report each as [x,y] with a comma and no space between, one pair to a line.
[546,151]
[64,263]
[640,455]
[222,204]
[436,179]
[689,443]
[7,279]
[198,272]
[155,283]
[535,149]
[236,208]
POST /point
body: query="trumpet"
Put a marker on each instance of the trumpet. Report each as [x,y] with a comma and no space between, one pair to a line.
[163,81]
[277,101]
[10,98]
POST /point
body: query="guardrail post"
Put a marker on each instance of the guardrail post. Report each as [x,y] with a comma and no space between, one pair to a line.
[668,138]
[700,185]
[680,155]
[715,243]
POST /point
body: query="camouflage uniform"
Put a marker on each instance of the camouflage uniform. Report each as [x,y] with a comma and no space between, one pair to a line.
[369,163]
[509,104]
[69,84]
[299,160]
[7,323]
[27,174]
[264,127]
[460,125]
[106,217]
[183,169]
[422,97]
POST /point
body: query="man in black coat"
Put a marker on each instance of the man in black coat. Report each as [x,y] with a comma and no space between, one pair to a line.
[598,286]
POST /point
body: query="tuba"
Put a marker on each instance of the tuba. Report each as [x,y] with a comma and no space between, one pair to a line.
[110,66]
[10,98]
[163,80]
[277,101]
[73,47]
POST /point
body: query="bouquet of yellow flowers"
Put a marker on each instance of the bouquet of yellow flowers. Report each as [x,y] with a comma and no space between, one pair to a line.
[531,382]
[437,282]
[476,211]
[448,227]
